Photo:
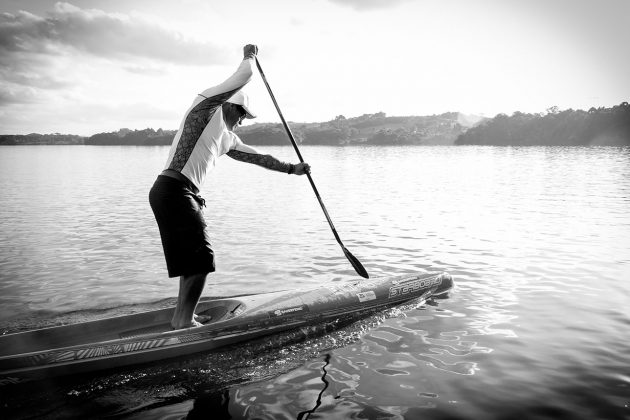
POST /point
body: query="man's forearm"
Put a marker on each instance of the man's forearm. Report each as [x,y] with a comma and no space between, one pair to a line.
[266,161]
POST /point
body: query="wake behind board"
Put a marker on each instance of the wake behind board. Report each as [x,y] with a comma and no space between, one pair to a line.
[147,336]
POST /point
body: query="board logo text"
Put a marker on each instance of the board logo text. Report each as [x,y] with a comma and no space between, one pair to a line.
[413,285]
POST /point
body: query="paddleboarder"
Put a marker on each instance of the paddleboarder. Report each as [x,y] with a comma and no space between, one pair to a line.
[205,134]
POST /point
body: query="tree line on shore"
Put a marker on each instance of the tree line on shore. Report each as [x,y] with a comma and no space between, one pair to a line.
[366,129]
[597,126]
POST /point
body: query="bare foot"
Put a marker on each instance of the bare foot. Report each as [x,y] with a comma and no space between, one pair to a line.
[202,318]
[193,324]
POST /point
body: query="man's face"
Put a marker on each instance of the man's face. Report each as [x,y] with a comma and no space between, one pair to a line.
[233,115]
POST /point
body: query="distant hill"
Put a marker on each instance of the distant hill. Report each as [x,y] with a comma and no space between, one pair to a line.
[369,129]
[124,136]
[597,126]
[9,139]
[366,129]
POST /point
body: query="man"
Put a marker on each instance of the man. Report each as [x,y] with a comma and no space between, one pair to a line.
[205,134]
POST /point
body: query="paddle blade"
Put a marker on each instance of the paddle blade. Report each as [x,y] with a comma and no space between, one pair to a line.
[358,267]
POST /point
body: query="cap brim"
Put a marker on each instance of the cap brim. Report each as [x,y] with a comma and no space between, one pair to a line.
[248,113]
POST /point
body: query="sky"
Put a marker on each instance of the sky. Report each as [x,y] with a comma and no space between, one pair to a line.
[90,66]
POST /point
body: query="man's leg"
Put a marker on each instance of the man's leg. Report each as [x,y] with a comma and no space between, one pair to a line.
[190,288]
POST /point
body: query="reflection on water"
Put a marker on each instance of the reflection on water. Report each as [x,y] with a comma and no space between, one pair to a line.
[536,239]
[306,414]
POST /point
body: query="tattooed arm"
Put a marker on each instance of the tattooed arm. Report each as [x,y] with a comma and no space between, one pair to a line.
[266,161]
[250,155]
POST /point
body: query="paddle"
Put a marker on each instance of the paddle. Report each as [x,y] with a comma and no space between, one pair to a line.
[353,260]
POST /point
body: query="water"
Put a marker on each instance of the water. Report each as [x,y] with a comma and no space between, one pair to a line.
[538,240]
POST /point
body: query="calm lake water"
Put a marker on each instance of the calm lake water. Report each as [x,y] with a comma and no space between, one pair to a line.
[537,239]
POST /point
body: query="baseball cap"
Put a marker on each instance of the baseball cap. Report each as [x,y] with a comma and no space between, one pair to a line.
[241,98]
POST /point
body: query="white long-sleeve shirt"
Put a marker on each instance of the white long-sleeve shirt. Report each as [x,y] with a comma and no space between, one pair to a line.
[203,135]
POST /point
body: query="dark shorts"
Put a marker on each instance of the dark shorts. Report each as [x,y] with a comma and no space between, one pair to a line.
[185,238]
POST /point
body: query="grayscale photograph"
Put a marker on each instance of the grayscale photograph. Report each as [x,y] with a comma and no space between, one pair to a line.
[315,209]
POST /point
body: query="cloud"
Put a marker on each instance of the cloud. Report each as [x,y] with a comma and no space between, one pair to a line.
[95,32]
[361,5]
[17,95]
[27,71]
[48,53]
[23,76]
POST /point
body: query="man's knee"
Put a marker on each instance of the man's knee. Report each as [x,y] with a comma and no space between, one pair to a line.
[194,277]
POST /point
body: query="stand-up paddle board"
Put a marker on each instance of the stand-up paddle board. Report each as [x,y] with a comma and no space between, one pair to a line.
[147,336]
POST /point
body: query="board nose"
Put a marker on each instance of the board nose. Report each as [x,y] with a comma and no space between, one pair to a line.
[446,285]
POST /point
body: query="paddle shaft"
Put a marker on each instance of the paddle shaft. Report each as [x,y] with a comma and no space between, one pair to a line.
[353,260]
[297,151]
